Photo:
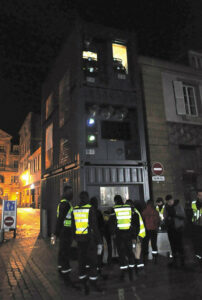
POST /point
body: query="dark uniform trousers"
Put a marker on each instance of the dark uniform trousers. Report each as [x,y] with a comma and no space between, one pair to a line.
[150,235]
[197,239]
[87,255]
[65,241]
[176,242]
[125,249]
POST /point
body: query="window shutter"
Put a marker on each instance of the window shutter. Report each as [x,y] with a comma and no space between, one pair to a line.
[179,97]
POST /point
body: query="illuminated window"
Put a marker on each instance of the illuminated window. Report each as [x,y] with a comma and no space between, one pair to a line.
[49,147]
[120,61]
[90,66]
[107,194]
[49,106]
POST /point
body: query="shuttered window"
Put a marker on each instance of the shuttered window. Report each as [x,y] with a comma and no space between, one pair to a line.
[185,99]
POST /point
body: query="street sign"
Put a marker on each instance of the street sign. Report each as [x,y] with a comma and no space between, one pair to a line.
[158,178]
[8,221]
[157,168]
[9,214]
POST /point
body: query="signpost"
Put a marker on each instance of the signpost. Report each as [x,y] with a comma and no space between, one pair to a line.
[9,216]
[157,170]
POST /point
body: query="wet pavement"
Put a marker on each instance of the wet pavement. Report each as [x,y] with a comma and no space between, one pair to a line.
[28,271]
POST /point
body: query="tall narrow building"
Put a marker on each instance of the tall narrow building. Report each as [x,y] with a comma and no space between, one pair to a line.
[92,120]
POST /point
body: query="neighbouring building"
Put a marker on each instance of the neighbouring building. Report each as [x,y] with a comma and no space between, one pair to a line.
[173,103]
[9,158]
[30,161]
[92,120]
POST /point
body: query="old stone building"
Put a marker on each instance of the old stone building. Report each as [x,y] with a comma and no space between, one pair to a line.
[30,161]
[173,104]
[9,158]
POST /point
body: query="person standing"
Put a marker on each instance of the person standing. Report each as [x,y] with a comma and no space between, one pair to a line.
[160,208]
[197,225]
[174,216]
[138,241]
[126,227]
[63,230]
[101,227]
[151,220]
[85,228]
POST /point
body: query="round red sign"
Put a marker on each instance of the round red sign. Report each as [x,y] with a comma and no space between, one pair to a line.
[157,168]
[8,221]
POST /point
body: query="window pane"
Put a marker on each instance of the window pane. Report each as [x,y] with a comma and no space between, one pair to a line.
[49,146]
[90,66]
[107,194]
[120,62]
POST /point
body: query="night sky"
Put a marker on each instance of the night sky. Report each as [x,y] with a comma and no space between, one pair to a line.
[32,33]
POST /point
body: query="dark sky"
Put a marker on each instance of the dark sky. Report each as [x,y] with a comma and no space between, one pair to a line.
[33,31]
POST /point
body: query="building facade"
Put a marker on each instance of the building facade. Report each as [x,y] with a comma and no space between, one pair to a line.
[9,159]
[92,120]
[30,161]
[173,103]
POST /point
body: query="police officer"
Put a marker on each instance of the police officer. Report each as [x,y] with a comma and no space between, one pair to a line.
[197,225]
[137,245]
[160,209]
[63,230]
[85,228]
[126,227]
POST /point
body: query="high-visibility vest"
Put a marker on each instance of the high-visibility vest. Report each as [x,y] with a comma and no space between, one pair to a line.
[160,212]
[123,216]
[68,219]
[197,213]
[142,231]
[81,217]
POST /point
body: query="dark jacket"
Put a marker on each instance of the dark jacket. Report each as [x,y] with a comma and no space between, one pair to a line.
[93,231]
[174,216]
[151,218]
[63,210]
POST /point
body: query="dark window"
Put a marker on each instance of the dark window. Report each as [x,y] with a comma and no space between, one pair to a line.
[115,130]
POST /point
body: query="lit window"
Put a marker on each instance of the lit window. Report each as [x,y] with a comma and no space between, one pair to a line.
[2,149]
[120,61]
[107,194]
[90,66]
[49,147]
[49,105]
[2,162]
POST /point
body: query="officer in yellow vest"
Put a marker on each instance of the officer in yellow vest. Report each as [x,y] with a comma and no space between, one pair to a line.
[85,228]
[126,227]
[197,225]
[64,230]
[137,245]
[160,208]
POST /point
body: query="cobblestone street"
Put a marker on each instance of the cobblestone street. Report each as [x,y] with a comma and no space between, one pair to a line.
[28,271]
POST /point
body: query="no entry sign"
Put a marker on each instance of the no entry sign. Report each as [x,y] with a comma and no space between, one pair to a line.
[9,213]
[8,221]
[157,168]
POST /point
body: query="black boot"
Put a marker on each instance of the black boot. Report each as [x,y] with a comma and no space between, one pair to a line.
[155,258]
[85,286]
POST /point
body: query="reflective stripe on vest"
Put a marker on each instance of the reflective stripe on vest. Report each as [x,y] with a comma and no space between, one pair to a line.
[81,217]
[68,220]
[142,232]
[123,216]
[160,212]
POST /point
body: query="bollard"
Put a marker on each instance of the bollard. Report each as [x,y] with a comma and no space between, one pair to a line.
[44,229]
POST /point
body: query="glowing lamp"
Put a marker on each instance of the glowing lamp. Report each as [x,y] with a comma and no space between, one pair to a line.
[90,122]
[91,138]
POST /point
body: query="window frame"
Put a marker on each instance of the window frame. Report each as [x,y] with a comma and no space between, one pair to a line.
[186,86]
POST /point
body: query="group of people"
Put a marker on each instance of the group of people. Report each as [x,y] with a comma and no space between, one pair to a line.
[124,226]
